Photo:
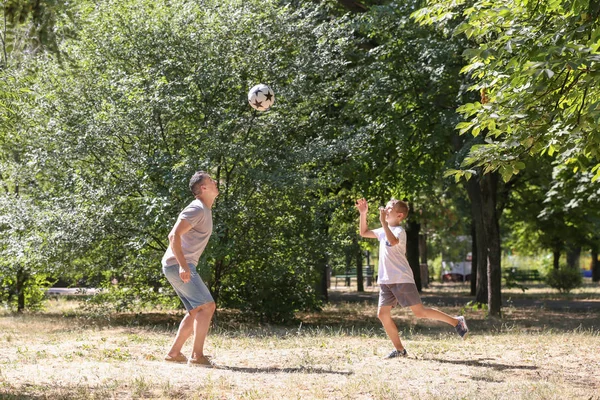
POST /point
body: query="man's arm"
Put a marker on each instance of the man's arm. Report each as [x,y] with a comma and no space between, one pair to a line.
[181,227]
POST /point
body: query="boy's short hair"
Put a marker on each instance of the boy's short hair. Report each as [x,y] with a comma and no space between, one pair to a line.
[196,180]
[400,206]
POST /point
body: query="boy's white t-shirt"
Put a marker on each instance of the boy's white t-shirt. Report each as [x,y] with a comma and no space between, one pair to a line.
[393,264]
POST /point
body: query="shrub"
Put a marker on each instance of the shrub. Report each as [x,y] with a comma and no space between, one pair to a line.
[34,288]
[564,279]
[269,293]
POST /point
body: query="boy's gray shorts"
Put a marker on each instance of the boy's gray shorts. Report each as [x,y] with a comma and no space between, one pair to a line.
[194,293]
[405,294]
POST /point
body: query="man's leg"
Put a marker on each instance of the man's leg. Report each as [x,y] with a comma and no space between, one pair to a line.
[384,313]
[202,316]
[186,328]
[421,311]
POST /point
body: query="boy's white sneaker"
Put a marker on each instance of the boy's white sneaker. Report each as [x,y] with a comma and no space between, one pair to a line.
[461,327]
[397,353]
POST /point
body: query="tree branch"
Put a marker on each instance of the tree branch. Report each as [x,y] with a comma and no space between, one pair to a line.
[354,6]
[582,104]
[5,55]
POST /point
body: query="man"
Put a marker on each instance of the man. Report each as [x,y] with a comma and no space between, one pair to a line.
[187,241]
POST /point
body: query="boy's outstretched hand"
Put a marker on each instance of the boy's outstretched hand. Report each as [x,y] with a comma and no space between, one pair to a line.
[362,206]
[382,216]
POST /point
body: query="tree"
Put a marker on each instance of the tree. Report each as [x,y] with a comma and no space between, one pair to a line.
[28,27]
[534,66]
[554,209]
[407,85]
[147,94]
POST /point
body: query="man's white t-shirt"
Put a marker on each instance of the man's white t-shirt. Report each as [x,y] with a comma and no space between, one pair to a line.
[195,240]
[393,264]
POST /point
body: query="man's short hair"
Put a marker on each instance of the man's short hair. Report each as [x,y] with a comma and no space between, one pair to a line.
[197,180]
[400,206]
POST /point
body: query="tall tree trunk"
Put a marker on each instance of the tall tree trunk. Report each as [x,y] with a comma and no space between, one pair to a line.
[20,285]
[215,287]
[595,264]
[481,256]
[353,256]
[489,188]
[556,258]
[423,259]
[573,256]
[412,250]
[358,257]
[474,259]
[322,264]
[322,284]
[217,277]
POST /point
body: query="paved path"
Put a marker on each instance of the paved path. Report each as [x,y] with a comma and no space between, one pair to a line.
[71,291]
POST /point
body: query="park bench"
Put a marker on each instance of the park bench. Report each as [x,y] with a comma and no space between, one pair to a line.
[368,274]
[522,275]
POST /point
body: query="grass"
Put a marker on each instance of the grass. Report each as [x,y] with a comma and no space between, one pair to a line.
[533,352]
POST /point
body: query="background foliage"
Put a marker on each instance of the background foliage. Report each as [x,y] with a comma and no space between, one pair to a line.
[107,108]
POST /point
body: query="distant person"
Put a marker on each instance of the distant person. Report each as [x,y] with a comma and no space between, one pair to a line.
[187,241]
[395,278]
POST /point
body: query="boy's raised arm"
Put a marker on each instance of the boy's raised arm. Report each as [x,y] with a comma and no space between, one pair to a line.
[363,208]
[389,235]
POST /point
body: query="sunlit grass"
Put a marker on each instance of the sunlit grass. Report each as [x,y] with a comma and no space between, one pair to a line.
[62,353]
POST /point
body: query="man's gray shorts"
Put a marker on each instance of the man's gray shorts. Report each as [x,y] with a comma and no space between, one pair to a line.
[405,294]
[194,293]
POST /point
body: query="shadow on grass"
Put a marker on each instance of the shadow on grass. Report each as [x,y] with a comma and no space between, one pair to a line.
[484,364]
[167,320]
[361,320]
[32,392]
[270,370]
[8,396]
[353,313]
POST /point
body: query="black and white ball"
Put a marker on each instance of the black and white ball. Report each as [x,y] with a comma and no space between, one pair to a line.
[261,97]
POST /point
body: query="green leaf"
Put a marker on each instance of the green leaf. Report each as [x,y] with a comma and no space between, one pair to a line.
[451,172]
[506,173]
[462,28]
[596,176]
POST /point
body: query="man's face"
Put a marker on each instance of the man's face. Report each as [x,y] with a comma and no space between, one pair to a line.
[209,185]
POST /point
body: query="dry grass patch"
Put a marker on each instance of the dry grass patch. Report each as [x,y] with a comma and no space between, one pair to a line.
[336,354]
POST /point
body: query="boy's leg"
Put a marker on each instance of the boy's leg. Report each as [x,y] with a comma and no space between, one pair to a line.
[421,311]
[384,313]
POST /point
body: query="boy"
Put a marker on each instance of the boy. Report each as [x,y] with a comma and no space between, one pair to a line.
[395,278]
[187,241]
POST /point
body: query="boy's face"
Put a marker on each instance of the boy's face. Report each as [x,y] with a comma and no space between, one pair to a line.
[392,215]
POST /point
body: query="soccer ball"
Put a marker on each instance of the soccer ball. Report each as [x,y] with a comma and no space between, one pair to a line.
[261,97]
